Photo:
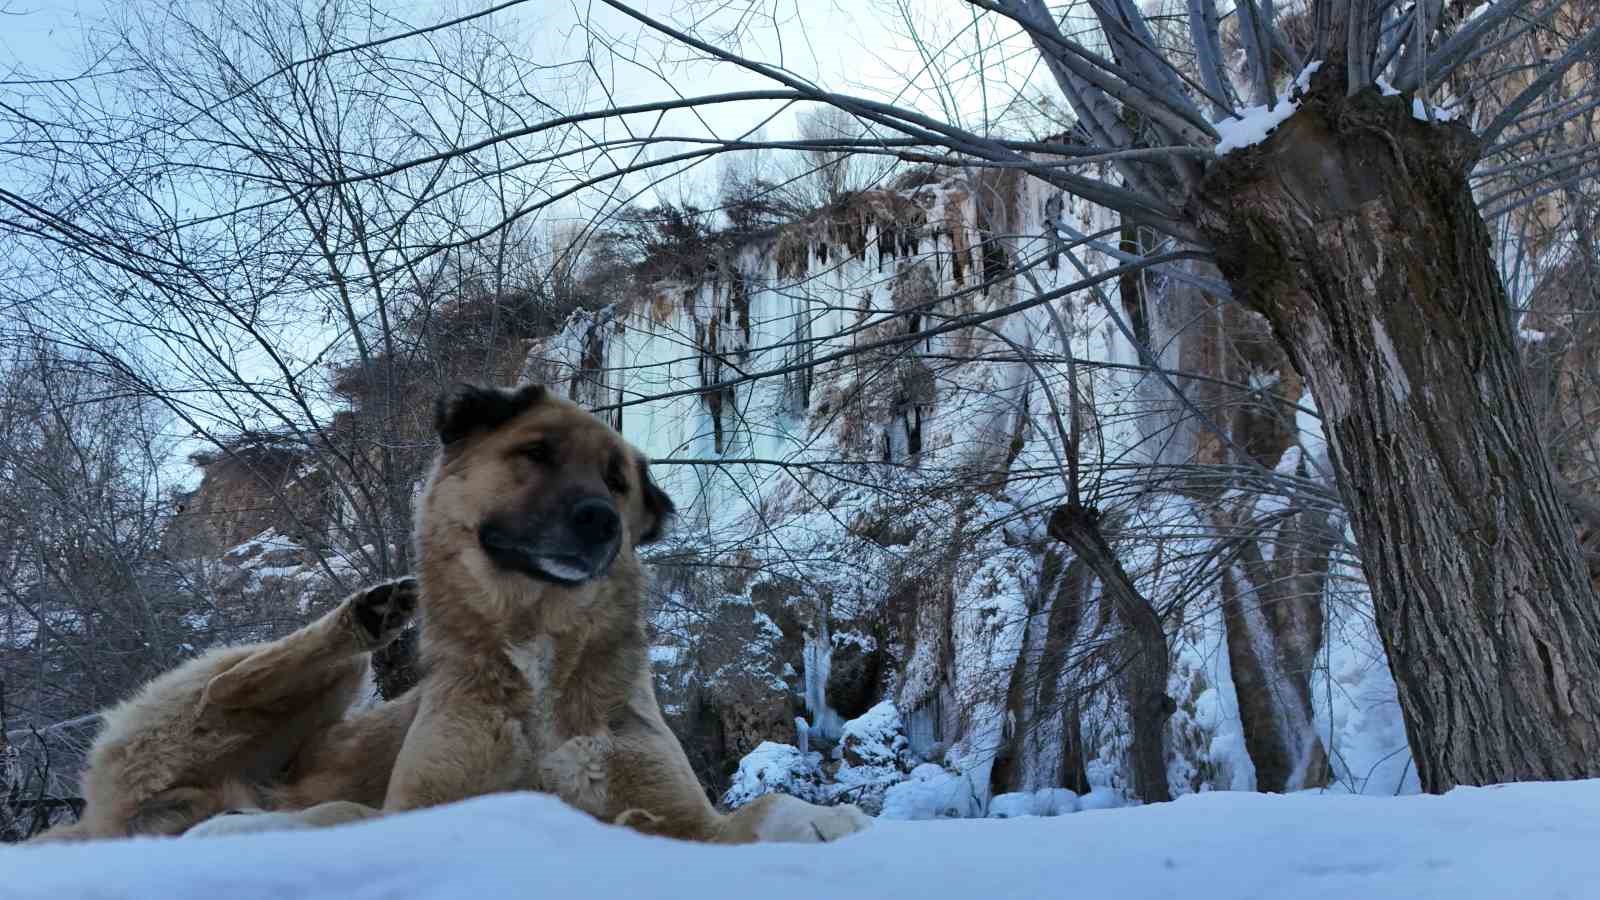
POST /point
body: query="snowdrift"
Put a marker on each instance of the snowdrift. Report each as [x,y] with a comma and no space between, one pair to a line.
[1526,840]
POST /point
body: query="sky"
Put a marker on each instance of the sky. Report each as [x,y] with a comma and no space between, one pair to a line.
[924,54]
[917,53]
[859,46]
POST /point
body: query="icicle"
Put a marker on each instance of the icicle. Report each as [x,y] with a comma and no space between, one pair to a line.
[818,655]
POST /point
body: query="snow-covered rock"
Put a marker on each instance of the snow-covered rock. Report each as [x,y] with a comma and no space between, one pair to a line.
[876,739]
[932,792]
[874,754]
[1043,802]
[775,768]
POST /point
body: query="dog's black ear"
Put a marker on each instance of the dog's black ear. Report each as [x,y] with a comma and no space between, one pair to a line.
[656,504]
[464,408]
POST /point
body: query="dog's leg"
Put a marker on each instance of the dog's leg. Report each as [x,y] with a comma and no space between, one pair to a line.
[455,749]
[780,818]
[172,811]
[315,656]
[64,833]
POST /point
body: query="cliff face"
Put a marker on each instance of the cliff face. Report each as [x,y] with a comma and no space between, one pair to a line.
[258,486]
[868,527]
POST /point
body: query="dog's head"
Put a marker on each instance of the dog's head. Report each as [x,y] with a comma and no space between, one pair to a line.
[541,488]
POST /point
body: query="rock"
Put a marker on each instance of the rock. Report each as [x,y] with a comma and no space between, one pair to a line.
[773,768]
[874,754]
[932,792]
[853,673]
[876,739]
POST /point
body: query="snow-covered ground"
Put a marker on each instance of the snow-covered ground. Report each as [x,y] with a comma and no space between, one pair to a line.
[1525,840]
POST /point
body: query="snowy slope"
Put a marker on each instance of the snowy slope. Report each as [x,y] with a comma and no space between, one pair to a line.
[1528,840]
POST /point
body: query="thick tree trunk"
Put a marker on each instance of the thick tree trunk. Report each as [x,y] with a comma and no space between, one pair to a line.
[1142,655]
[1352,229]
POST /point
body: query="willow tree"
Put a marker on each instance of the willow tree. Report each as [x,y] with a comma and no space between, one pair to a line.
[1353,228]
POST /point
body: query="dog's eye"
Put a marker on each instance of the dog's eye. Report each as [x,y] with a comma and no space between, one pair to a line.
[537,451]
[615,480]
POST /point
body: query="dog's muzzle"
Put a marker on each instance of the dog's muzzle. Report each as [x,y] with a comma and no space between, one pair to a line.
[574,546]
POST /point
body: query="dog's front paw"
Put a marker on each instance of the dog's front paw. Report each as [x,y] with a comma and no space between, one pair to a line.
[785,819]
[577,772]
[380,612]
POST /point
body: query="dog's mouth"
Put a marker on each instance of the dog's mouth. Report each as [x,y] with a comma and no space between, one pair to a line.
[563,569]
[559,565]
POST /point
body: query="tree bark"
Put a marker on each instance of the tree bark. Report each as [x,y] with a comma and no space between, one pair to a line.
[1142,654]
[1352,229]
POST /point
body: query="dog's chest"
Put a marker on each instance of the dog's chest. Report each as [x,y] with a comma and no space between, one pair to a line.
[536,659]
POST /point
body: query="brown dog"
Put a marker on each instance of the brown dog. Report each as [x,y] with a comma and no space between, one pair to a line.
[536,665]
[534,631]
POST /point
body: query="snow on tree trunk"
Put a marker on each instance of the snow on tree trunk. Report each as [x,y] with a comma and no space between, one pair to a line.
[1352,229]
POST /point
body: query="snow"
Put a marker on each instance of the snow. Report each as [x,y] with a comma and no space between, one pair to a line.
[932,792]
[1252,124]
[1043,802]
[1523,840]
[1440,112]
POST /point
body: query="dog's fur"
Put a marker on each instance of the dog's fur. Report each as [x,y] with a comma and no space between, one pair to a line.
[537,684]
[225,730]
[536,673]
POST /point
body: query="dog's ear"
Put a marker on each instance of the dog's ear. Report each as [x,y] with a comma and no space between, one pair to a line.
[657,505]
[464,408]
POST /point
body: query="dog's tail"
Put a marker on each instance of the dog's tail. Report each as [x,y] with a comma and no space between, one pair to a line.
[638,819]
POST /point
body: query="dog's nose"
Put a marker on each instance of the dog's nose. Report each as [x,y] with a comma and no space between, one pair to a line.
[594,521]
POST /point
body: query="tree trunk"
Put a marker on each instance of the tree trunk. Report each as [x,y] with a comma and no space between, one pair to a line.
[1352,229]
[1274,622]
[1141,649]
